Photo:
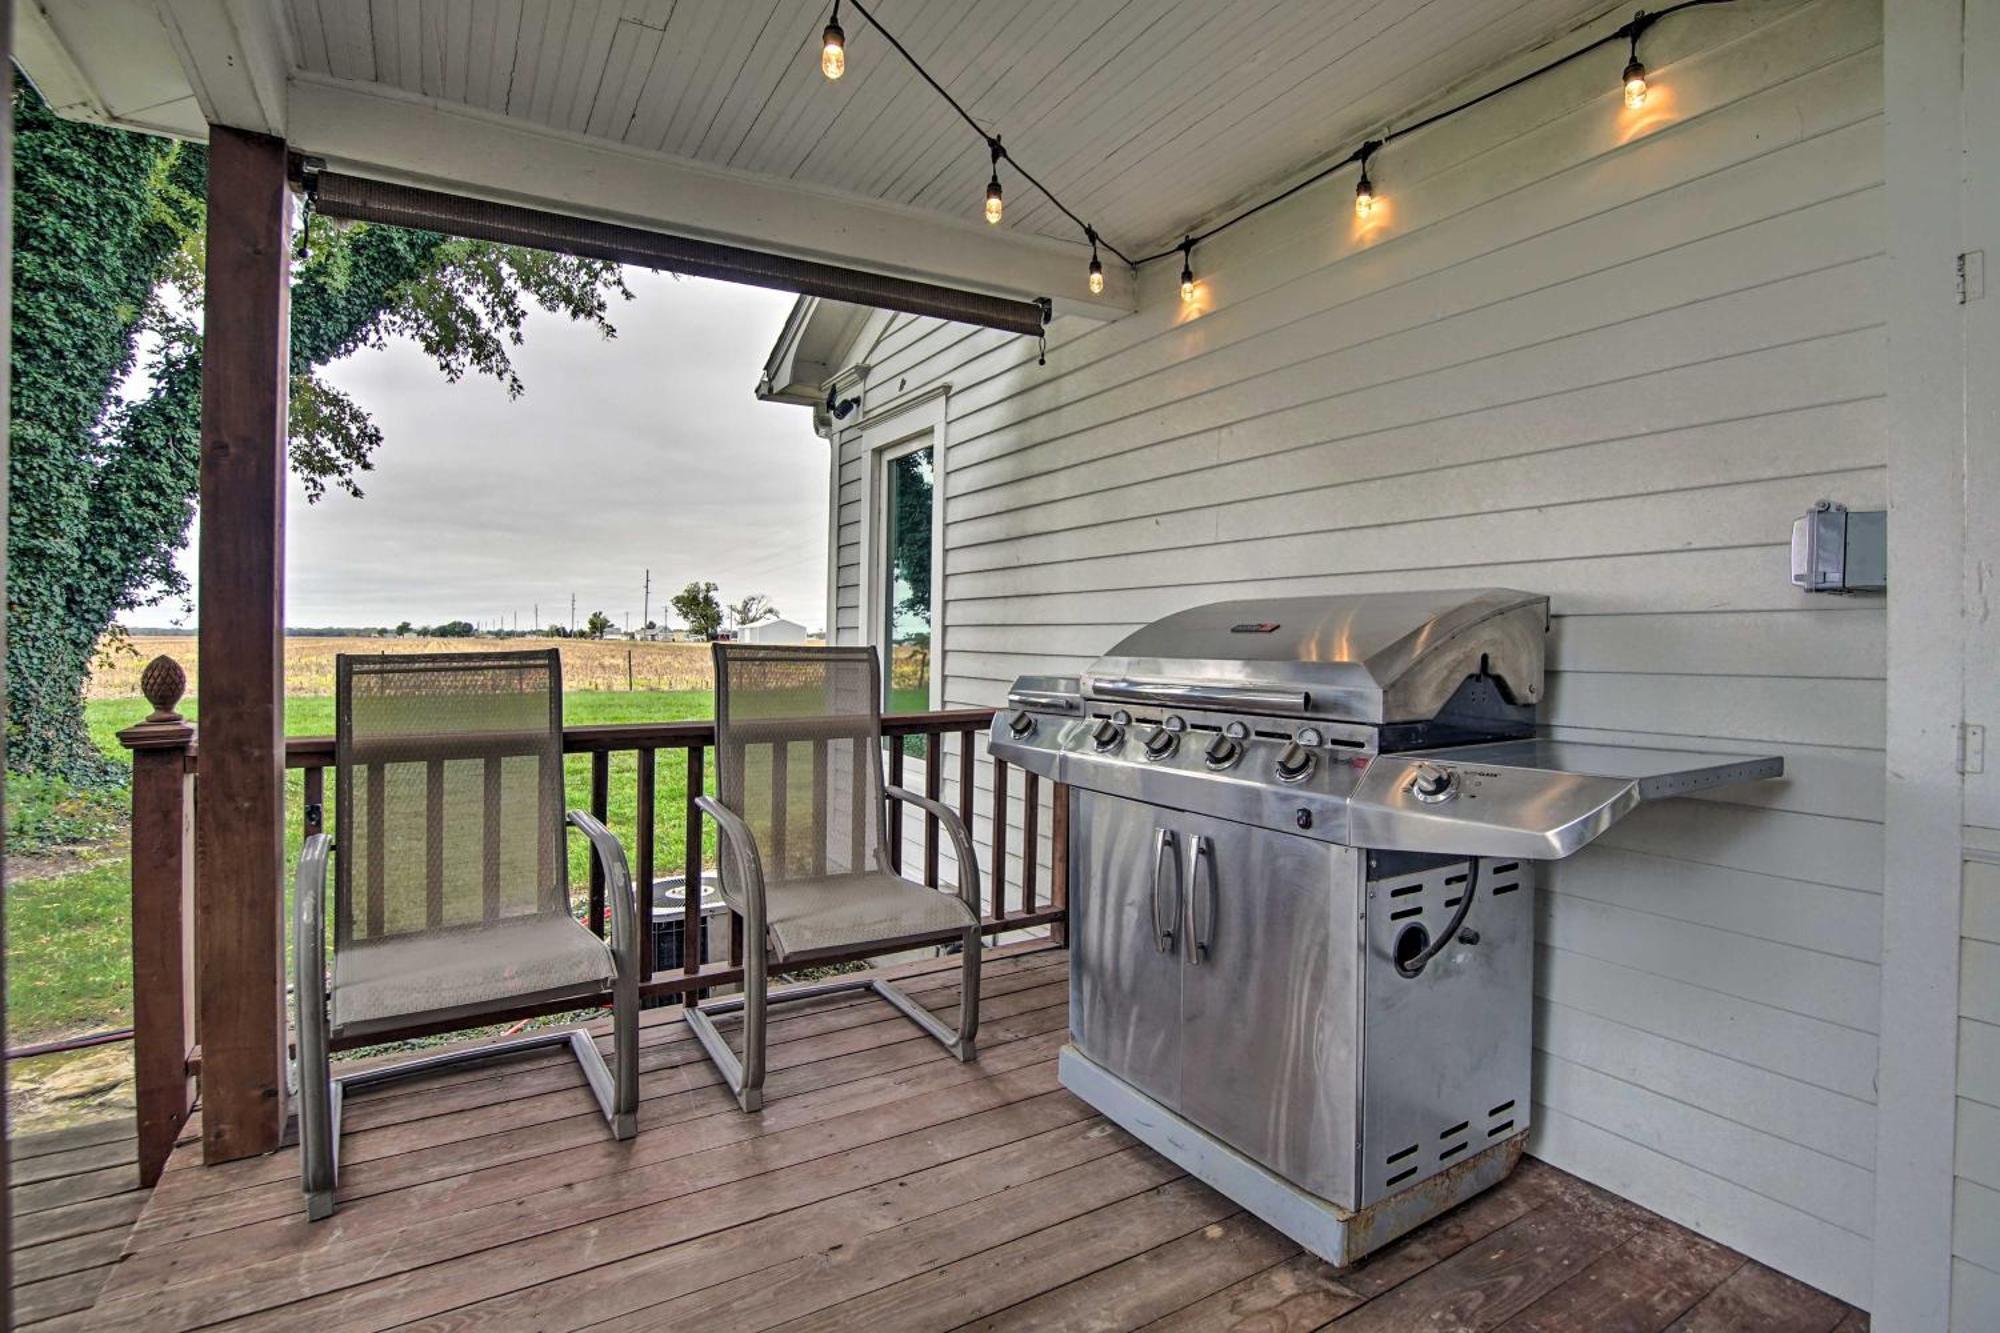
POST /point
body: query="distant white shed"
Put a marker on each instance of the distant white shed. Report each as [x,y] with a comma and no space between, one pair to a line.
[779,630]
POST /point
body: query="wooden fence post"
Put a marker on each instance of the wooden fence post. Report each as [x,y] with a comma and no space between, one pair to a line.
[162,915]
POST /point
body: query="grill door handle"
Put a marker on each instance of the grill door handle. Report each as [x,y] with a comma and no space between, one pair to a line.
[1166,851]
[1201,927]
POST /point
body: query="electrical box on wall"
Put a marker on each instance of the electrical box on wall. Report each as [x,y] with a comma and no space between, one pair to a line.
[1837,549]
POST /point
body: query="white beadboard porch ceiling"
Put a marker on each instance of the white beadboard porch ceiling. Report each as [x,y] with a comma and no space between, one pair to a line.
[1146,116]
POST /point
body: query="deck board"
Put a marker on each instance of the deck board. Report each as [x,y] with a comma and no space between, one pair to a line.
[75,1195]
[883,1186]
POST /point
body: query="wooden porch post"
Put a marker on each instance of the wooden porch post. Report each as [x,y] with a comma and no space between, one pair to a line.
[239,810]
[163,1028]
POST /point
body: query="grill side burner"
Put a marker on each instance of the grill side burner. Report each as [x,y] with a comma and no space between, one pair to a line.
[1304,835]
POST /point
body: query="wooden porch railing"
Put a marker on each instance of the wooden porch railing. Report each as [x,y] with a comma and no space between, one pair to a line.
[166,1046]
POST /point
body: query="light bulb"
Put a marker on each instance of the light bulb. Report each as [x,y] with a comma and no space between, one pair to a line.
[994,206]
[1635,84]
[1187,284]
[833,52]
[1096,275]
[1364,197]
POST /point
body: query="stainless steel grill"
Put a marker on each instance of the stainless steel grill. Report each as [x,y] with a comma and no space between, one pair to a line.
[1304,837]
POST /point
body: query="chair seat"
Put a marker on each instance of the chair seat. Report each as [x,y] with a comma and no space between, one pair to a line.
[842,912]
[444,975]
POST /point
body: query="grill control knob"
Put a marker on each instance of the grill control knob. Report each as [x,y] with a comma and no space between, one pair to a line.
[1433,784]
[1106,735]
[1222,752]
[1295,763]
[1021,723]
[1160,743]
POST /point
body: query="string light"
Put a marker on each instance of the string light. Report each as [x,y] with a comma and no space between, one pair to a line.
[833,47]
[1635,73]
[1635,84]
[995,206]
[833,63]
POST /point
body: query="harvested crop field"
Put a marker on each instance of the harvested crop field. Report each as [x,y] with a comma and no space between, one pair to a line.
[588,664]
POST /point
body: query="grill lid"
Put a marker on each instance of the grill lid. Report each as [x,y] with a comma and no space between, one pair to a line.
[1374,658]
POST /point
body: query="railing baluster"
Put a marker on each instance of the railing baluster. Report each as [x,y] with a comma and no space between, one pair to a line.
[1059,860]
[857,779]
[997,871]
[377,845]
[819,833]
[694,931]
[600,809]
[1031,854]
[965,759]
[777,856]
[489,883]
[933,788]
[642,849]
[895,830]
[434,844]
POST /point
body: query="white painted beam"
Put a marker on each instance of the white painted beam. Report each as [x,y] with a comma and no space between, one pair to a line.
[369,130]
[236,55]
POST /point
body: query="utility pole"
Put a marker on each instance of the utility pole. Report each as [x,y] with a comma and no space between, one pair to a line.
[538,626]
[646,611]
[572,615]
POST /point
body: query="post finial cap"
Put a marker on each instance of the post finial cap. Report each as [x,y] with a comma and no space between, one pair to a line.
[163,683]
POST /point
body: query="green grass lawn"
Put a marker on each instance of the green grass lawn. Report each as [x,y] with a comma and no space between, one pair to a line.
[69,935]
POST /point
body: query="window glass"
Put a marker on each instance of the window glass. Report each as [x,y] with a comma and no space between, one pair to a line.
[907,600]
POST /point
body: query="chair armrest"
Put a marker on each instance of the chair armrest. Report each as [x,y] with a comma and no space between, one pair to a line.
[961,840]
[740,843]
[618,888]
[309,997]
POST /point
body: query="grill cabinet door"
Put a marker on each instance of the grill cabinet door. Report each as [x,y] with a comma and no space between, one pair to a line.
[1269,1000]
[1125,992]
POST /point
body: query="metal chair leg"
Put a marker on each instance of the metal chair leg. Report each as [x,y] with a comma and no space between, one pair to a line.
[968,997]
[624,1109]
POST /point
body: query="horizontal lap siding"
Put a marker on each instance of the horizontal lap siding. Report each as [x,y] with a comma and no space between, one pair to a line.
[1976,1205]
[1607,365]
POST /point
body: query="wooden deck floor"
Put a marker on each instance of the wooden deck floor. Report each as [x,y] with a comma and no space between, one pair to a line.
[883,1187]
[74,1195]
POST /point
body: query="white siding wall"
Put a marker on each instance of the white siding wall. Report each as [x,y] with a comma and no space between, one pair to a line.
[1976,1201]
[1605,356]
[1975,1288]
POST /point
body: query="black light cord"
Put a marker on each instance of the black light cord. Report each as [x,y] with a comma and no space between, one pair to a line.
[1628,32]
[992,140]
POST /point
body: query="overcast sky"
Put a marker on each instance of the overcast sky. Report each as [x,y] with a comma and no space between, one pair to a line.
[648,450]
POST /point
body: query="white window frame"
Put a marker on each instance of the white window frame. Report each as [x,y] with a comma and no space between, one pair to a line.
[903,429]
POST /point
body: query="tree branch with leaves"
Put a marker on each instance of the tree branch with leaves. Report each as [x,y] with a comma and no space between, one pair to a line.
[108,252]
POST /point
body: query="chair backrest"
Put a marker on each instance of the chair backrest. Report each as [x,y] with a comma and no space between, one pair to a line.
[449,791]
[798,755]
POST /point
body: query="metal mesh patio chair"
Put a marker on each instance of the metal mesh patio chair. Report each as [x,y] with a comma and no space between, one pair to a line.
[451,889]
[800,802]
